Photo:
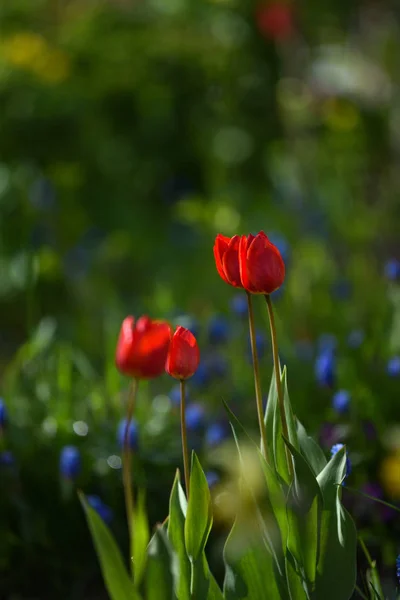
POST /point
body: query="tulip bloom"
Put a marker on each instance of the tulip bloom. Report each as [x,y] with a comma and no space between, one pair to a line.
[183,356]
[262,270]
[226,254]
[142,347]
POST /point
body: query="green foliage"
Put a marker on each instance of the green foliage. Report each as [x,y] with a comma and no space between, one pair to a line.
[116,578]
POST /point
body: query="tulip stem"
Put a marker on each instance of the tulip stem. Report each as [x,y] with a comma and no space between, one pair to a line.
[127,460]
[277,370]
[184,439]
[257,381]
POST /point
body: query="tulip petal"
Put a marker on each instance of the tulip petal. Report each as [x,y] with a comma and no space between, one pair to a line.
[184,355]
[265,266]
[244,243]
[230,262]
[220,247]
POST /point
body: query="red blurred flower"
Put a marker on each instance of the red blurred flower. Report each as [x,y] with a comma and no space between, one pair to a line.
[142,347]
[275,20]
[184,355]
[262,270]
[226,254]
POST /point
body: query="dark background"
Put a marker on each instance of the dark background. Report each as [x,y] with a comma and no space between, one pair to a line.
[131,133]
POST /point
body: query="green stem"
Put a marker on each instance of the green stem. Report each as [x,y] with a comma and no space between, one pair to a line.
[184,439]
[257,381]
[127,460]
[277,370]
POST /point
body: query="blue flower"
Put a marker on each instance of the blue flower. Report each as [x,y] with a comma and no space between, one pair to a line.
[341,401]
[392,269]
[7,459]
[398,568]
[212,478]
[70,462]
[216,433]
[218,330]
[325,369]
[239,305]
[335,449]
[393,366]
[132,435]
[195,416]
[355,338]
[3,414]
[102,509]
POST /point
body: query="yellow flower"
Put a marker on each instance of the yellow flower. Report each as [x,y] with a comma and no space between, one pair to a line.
[23,49]
[390,474]
[29,51]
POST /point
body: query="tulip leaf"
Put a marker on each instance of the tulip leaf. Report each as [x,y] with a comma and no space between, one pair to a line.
[159,580]
[273,423]
[199,512]
[310,450]
[275,503]
[176,535]
[250,572]
[140,539]
[304,505]
[336,569]
[115,574]
[294,580]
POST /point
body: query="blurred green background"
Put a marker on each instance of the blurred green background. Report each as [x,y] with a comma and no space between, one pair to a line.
[131,133]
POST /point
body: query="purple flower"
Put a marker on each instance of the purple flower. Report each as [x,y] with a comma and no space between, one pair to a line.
[70,462]
[195,416]
[393,366]
[3,414]
[325,369]
[341,402]
[392,269]
[335,449]
[132,435]
[102,509]
[212,478]
[216,433]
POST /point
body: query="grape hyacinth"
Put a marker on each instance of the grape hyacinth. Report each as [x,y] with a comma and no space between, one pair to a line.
[70,462]
[341,402]
[132,435]
[335,449]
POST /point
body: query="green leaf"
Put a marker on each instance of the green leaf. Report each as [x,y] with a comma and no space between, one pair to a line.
[115,574]
[250,568]
[290,420]
[310,450]
[336,569]
[141,534]
[276,531]
[295,583]
[159,580]
[176,535]
[277,500]
[199,512]
[273,423]
[304,513]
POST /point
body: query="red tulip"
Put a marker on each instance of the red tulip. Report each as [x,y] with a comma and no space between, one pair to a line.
[262,270]
[275,20]
[142,347]
[183,356]
[226,254]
